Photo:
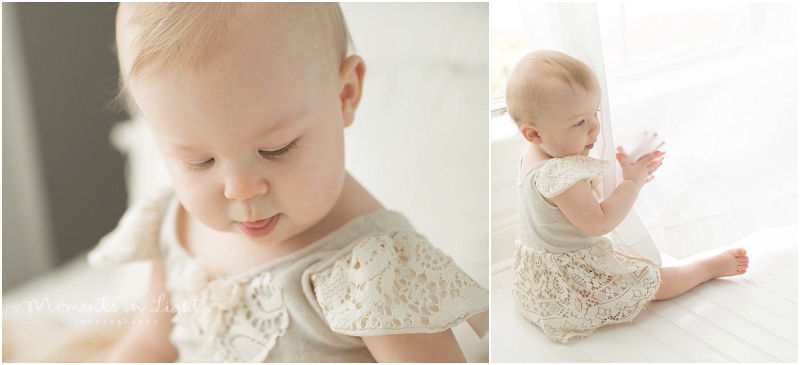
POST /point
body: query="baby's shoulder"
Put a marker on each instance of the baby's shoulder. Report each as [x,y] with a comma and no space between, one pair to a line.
[395,282]
[557,174]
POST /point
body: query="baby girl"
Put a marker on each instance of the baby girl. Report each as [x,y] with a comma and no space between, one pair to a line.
[270,248]
[568,279]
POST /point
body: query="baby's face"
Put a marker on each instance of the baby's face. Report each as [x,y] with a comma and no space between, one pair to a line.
[570,121]
[254,140]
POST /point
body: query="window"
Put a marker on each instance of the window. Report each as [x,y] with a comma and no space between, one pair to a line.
[635,33]
[509,42]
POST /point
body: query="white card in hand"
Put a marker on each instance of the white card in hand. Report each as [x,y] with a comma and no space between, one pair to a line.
[635,148]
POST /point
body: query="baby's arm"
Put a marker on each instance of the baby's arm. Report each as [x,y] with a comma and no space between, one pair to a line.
[148,342]
[415,347]
[596,219]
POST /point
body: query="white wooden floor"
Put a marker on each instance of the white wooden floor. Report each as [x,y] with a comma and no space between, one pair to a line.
[749,318]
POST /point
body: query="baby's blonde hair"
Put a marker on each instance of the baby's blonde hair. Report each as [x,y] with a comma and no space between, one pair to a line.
[533,76]
[181,36]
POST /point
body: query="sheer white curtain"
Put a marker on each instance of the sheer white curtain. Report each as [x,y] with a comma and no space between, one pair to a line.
[573,28]
[719,84]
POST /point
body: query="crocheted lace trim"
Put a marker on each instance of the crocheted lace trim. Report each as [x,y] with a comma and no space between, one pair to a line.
[136,235]
[397,284]
[237,321]
[558,174]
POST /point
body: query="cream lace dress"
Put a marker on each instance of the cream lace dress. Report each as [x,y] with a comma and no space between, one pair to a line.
[565,281]
[373,276]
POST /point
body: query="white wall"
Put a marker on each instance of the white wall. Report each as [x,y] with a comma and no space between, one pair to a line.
[420,140]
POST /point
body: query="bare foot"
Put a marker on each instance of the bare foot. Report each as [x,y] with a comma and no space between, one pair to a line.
[728,263]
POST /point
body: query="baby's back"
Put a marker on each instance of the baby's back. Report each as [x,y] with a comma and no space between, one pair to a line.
[542,226]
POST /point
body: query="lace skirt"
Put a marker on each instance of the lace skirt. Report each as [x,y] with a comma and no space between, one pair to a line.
[574,293]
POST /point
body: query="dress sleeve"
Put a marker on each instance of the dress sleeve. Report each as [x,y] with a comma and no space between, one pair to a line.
[397,284]
[136,235]
[558,174]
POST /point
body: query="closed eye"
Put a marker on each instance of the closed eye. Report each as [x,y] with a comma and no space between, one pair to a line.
[279,153]
[200,166]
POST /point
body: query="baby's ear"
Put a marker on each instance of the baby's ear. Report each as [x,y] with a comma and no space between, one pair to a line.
[530,133]
[351,77]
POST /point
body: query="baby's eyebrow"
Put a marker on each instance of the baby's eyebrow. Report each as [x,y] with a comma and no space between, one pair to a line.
[184,148]
[576,116]
[280,124]
[570,119]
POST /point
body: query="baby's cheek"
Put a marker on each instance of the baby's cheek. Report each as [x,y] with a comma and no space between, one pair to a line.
[202,203]
[324,174]
[322,191]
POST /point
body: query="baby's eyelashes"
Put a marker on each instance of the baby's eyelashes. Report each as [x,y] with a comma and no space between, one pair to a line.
[268,154]
[199,166]
[282,152]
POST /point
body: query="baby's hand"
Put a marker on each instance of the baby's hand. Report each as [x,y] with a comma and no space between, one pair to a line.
[642,170]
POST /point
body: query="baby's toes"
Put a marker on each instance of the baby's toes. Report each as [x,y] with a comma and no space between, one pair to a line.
[739,252]
[742,268]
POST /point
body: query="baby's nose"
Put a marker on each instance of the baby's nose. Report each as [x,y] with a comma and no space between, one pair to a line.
[594,128]
[244,186]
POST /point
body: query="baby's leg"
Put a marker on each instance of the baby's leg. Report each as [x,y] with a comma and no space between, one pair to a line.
[680,279]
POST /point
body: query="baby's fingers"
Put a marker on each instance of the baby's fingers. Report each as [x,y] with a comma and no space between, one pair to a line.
[622,159]
[651,168]
[648,158]
[656,161]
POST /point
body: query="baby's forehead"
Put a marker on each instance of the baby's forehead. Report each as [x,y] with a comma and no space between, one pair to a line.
[182,36]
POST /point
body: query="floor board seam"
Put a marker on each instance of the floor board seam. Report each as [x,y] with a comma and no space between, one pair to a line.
[754,324]
[735,336]
[768,290]
[500,343]
[698,340]
[766,270]
[656,339]
[514,323]
[628,347]
[754,303]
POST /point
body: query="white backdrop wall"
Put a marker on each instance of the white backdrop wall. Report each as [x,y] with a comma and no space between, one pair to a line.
[420,141]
